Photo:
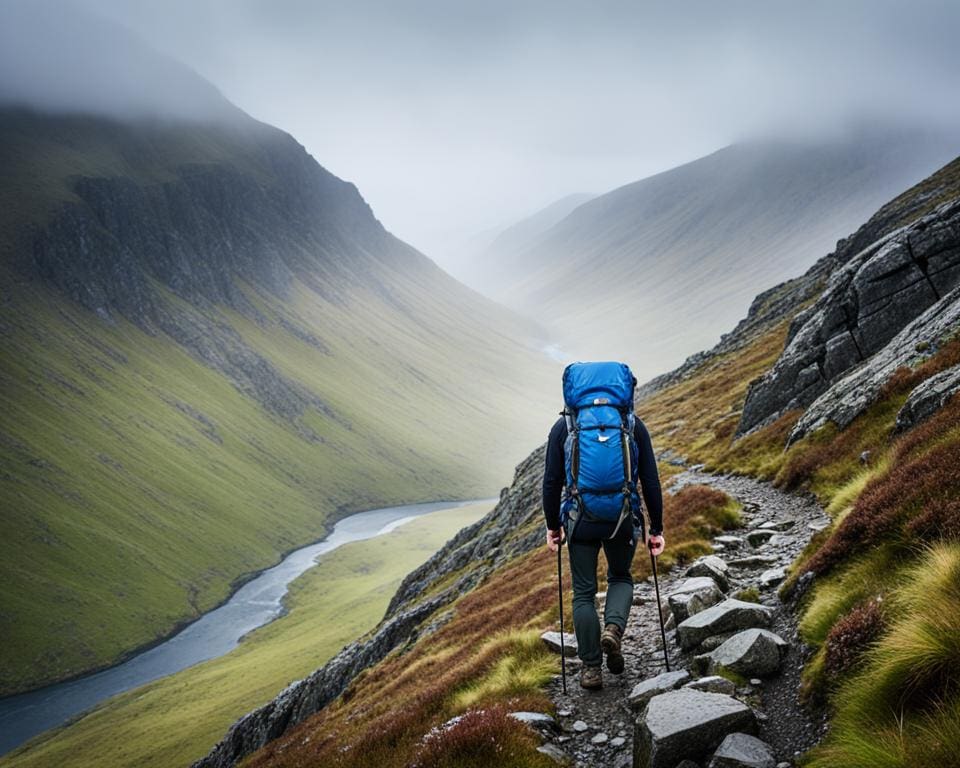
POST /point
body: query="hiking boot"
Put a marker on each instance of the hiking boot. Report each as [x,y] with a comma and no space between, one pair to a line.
[610,643]
[591,678]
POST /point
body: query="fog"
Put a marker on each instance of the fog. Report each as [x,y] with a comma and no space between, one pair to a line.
[453,118]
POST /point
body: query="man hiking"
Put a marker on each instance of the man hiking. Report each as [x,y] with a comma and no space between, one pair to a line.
[598,453]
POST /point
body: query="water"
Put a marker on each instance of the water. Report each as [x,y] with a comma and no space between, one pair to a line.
[215,633]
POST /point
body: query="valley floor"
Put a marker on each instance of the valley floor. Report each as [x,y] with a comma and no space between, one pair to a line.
[177,719]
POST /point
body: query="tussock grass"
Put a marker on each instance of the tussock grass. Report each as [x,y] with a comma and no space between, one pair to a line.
[748,595]
[692,516]
[903,709]
[527,665]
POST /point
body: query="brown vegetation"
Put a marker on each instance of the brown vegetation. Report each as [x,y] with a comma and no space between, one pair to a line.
[850,637]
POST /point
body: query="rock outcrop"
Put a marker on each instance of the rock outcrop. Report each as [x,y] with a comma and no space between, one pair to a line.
[928,397]
[867,302]
[853,393]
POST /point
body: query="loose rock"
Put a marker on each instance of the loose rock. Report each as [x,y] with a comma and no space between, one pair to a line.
[759,536]
[687,724]
[751,652]
[693,596]
[729,615]
[552,641]
[741,750]
[713,684]
[772,577]
[712,567]
[644,691]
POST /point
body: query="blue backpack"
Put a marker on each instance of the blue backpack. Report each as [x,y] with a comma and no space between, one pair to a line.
[601,452]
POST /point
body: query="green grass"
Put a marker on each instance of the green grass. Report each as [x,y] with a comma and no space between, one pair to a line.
[176,720]
[903,709]
[748,595]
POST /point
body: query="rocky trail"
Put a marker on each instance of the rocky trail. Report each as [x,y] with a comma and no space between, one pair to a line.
[692,717]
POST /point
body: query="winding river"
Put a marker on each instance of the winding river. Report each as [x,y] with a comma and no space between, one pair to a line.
[215,633]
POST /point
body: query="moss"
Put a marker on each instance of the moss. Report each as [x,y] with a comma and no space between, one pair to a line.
[748,595]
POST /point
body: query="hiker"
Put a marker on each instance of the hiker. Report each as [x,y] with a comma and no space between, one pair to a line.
[599,442]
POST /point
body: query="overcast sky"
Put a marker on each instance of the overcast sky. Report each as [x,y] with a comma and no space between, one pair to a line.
[452,117]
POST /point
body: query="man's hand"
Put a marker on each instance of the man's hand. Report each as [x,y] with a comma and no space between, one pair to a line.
[555,538]
[656,544]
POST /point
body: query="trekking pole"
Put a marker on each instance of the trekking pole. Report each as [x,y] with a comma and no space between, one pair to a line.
[563,650]
[656,586]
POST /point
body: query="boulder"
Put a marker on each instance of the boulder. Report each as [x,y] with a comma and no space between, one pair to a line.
[749,653]
[536,720]
[686,724]
[646,689]
[779,525]
[772,577]
[753,561]
[729,541]
[726,616]
[552,641]
[713,567]
[712,684]
[554,753]
[928,397]
[759,536]
[741,750]
[693,596]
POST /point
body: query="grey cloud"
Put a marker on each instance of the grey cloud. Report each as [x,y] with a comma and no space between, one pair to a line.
[455,116]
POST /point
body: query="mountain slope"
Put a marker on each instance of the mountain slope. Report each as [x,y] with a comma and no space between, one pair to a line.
[893,685]
[650,272]
[211,349]
[485,260]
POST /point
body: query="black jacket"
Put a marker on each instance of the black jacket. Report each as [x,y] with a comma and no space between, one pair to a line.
[555,476]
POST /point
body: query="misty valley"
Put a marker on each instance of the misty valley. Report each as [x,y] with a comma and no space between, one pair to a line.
[285,457]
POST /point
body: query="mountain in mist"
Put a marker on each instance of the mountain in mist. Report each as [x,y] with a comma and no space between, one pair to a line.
[211,349]
[478,261]
[651,272]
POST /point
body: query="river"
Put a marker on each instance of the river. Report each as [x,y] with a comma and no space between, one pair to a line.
[256,603]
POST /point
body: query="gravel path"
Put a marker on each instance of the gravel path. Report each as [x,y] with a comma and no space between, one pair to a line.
[607,739]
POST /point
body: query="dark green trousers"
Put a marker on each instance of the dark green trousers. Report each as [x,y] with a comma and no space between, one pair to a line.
[583,557]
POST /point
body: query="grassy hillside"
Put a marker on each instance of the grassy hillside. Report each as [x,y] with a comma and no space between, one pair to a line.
[176,720]
[210,350]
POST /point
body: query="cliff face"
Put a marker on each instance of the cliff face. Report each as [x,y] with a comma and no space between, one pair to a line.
[869,300]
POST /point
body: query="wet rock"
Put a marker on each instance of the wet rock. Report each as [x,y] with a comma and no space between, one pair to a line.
[759,536]
[646,689]
[600,738]
[726,616]
[536,720]
[552,640]
[881,291]
[928,397]
[580,726]
[692,596]
[554,753]
[712,684]
[750,653]
[687,724]
[772,577]
[741,750]
[713,567]
[779,525]
[715,641]
[617,742]
[753,561]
